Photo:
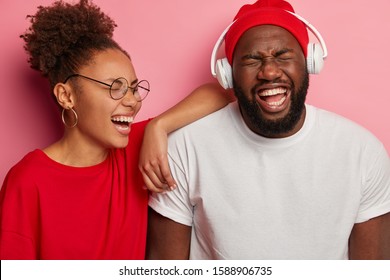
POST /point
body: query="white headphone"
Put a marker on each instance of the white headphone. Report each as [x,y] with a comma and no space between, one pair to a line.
[316,54]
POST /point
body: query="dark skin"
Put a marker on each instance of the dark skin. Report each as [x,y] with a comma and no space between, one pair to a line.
[167,240]
[371,240]
[268,57]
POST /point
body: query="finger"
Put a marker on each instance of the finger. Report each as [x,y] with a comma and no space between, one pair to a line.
[152,167]
[152,170]
[167,176]
[152,186]
[153,177]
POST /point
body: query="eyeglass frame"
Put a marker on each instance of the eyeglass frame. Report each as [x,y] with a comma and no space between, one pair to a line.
[133,89]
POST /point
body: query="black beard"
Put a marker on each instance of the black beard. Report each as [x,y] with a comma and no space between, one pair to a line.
[282,126]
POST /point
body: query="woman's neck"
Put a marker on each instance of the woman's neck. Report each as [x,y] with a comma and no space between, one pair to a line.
[75,152]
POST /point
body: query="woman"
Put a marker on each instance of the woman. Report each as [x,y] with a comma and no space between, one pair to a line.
[82,196]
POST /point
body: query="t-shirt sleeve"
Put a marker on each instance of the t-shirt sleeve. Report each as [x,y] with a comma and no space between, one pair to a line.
[176,204]
[376,186]
[14,246]
[18,218]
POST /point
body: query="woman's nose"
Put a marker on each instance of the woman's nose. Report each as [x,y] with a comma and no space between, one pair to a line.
[129,99]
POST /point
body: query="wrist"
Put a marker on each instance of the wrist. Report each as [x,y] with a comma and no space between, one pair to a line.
[158,124]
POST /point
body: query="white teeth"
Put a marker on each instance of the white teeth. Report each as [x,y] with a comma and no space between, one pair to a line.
[277,103]
[122,128]
[273,91]
[123,119]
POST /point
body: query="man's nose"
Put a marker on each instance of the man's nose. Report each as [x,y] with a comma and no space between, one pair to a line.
[269,70]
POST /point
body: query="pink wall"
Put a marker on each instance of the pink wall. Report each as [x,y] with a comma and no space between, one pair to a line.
[170,42]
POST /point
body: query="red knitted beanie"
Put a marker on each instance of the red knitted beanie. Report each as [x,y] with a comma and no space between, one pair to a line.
[265,12]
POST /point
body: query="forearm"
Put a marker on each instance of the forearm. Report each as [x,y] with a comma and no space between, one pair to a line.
[153,161]
[204,100]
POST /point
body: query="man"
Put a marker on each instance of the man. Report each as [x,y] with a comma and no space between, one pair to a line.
[270,177]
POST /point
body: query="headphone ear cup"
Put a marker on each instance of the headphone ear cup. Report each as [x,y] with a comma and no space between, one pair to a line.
[314,59]
[224,73]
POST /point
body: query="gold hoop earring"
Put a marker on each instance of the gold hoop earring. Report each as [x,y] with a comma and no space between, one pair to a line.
[75,115]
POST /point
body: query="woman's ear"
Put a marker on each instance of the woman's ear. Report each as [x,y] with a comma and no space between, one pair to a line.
[64,95]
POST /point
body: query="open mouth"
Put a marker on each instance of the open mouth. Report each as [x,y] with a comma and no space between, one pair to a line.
[274,97]
[122,123]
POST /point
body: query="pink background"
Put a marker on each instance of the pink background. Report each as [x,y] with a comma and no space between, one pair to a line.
[170,42]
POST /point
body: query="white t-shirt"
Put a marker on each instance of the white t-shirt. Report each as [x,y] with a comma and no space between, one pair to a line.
[250,197]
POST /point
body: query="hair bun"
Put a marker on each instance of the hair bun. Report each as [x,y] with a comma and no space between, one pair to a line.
[63,29]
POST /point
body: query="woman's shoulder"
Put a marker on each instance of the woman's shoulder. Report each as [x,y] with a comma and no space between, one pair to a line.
[139,127]
[28,167]
[31,158]
[137,133]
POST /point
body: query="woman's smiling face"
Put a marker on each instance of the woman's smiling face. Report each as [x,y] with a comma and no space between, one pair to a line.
[103,121]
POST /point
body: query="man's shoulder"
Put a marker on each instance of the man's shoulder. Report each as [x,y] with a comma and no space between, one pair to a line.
[325,116]
[209,129]
[343,127]
[221,117]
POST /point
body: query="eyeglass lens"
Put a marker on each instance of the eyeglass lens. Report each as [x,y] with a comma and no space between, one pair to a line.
[119,88]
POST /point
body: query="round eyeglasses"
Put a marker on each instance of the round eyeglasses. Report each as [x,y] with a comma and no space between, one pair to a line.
[120,86]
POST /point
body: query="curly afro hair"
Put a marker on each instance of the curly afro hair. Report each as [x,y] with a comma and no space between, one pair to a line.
[63,37]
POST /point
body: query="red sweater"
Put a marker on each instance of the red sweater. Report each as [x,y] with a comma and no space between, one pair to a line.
[52,211]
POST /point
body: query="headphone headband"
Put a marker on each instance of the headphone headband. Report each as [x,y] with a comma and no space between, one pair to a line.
[314,31]
[216,48]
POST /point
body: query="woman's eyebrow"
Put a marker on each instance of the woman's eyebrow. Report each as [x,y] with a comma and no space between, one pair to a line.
[134,82]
